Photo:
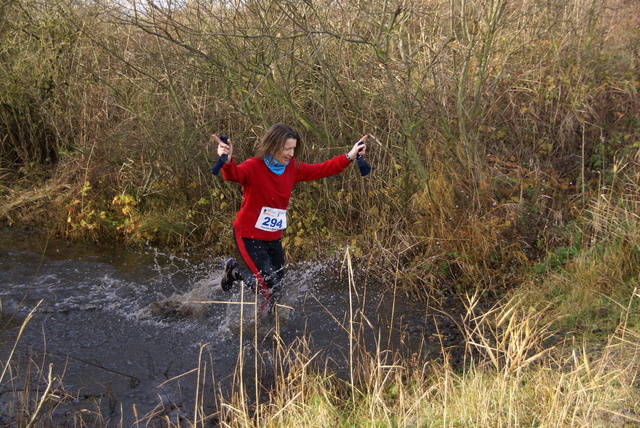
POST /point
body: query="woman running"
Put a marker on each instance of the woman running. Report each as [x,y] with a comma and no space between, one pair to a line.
[267,181]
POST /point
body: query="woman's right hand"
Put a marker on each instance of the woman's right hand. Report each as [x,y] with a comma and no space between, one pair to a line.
[224,149]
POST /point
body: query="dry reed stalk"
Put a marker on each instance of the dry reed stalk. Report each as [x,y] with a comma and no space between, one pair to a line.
[43,398]
[240,363]
[255,356]
[15,345]
[351,320]
[198,414]
[224,302]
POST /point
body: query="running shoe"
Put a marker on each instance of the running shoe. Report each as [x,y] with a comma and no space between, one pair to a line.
[230,274]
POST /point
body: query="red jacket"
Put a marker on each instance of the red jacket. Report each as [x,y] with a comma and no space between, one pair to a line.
[263,188]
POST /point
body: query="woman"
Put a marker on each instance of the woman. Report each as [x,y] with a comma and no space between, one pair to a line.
[267,181]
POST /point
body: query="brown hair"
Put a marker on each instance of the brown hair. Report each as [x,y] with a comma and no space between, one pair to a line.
[273,140]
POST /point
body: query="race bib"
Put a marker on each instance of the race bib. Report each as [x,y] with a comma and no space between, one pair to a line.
[272,219]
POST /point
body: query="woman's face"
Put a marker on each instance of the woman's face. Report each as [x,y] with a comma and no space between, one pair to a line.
[286,153]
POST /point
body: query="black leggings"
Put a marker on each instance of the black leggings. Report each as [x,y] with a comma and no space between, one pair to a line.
[265,259]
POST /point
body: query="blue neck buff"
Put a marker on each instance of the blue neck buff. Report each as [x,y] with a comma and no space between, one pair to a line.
[276,167]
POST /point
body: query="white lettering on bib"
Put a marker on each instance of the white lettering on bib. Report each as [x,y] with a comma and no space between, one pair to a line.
[272,219]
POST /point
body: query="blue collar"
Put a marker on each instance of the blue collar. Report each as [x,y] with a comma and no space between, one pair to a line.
[276,167]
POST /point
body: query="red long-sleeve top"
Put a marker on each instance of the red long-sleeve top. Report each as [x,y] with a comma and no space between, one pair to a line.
[263,188]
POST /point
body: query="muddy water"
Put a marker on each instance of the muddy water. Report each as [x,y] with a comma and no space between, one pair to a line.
[124,329]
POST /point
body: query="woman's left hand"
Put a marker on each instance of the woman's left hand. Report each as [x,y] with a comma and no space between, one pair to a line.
[224,148]
[359,148]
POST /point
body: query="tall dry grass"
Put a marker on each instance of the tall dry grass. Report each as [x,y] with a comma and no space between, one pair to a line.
[515,375]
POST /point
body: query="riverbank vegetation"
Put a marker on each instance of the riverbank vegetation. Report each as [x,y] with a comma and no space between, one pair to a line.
[505,147]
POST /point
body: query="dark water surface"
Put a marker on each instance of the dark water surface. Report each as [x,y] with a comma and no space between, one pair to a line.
[117,326]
